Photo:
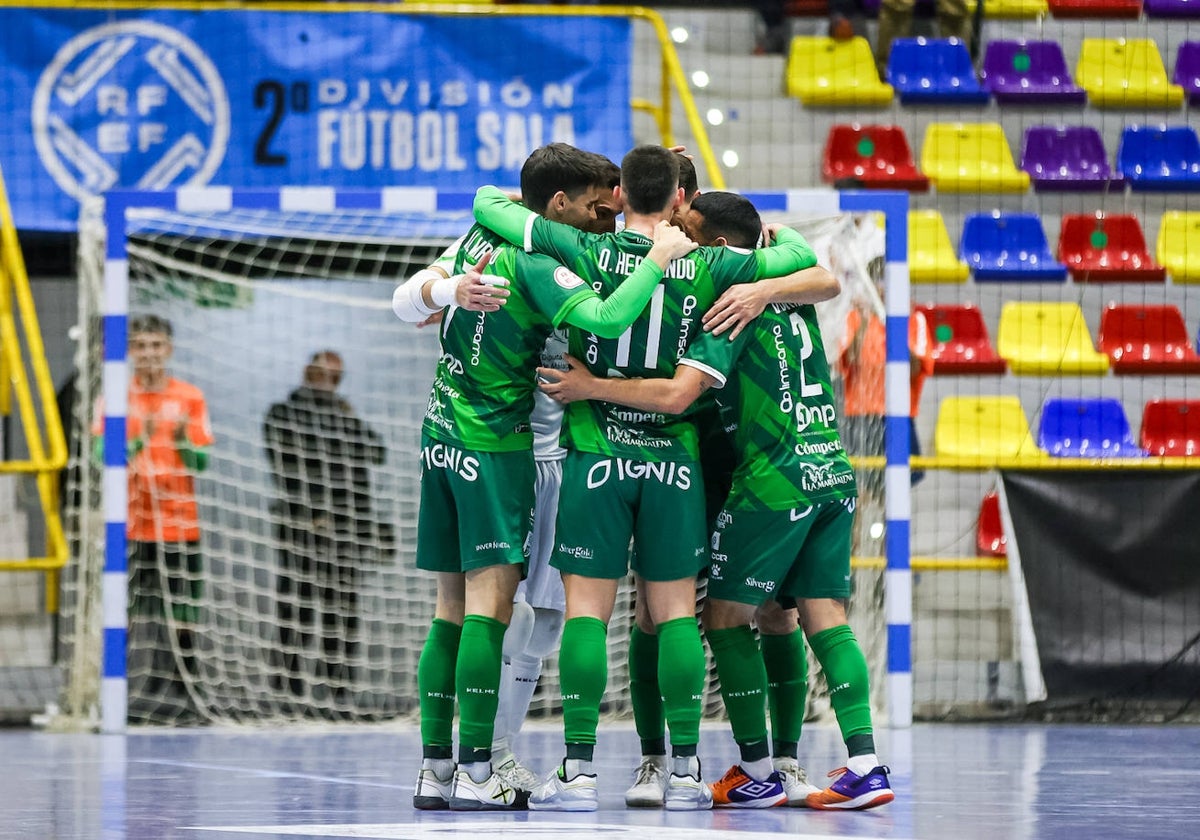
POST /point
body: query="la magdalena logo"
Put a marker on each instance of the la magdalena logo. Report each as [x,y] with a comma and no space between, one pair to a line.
[132,104]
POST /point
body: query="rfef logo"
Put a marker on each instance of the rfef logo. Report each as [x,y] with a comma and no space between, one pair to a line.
[133,104]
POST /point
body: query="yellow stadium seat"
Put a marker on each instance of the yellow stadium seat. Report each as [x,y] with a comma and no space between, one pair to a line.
[931,255]
[1179,245]
[1047,338]
[971,157]
[823,72]
[1012,8]
[985,428]
[1120,73]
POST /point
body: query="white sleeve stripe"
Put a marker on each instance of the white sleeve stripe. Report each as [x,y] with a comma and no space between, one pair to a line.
[529,232]
[711,371]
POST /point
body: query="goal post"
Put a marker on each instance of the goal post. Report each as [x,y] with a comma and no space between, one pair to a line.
[229,267]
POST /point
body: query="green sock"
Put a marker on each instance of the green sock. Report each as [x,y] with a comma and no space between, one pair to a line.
[478,681]
[787,688]
[681,677]
[845,670]
[644,694]
[743,687]
[583,672]
[435,684]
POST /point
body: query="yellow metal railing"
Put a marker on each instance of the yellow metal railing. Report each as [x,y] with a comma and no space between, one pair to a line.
[672,78]
[48,449]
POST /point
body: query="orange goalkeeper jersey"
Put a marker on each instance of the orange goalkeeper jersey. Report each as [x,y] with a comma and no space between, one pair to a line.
[162,495]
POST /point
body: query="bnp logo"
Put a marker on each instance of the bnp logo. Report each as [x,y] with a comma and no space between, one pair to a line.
[133,104]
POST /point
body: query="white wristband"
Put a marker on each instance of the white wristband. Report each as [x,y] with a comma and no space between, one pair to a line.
[407,301]
[443,290]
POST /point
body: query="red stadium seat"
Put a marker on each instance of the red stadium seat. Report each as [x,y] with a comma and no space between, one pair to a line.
[1096,8]
[1100,248]
[989,536]
[1171,427]
[1147,339]
[961,343]
[871,156]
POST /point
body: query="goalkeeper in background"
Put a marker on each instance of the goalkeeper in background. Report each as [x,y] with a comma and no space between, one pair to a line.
[478,472]
[785,529]
[168,434]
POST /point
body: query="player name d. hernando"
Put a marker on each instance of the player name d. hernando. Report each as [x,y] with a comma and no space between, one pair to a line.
[619,262]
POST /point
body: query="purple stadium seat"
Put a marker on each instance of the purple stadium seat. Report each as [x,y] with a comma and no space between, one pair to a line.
[1172,8]
[1029,72]
[1187,70]
[1066,158]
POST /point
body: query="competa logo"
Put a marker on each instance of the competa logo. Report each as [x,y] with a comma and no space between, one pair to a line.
[133,102]
[566,278]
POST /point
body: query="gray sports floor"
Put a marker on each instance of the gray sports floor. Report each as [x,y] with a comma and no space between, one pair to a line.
[952,781]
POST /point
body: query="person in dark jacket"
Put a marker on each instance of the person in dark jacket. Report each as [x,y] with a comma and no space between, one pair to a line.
[320,454]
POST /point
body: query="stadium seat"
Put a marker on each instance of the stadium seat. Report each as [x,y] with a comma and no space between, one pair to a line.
[870,156]
[1121,73]
[1096,8]
[961,343]
[1009,246]
[823,73]
[1187,70]
[1047,339]
[931,255]
[1102,248]
[1067,158]
[1178,246]
[1093,427]
[983,428]
[1172,8]
[1144,338]
[934,71]
[1029,73]
[1012,8]
[970,157]
[989,533]
[991,8]
[1160,158]
[1171,427]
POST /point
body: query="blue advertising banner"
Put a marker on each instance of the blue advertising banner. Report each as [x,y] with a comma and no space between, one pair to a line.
[163,98]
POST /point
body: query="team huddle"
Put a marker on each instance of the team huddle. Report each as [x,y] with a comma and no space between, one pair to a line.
[662,388]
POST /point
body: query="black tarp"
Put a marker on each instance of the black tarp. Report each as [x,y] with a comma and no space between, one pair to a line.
[1111,562]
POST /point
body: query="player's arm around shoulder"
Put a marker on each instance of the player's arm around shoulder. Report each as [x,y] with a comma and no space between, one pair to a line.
[662,396]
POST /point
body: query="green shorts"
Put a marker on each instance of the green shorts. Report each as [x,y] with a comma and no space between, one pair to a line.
[761,554]
[476,507]
[606,501]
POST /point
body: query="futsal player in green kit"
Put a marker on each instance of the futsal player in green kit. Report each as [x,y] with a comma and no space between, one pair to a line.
[628,472]
[477,489]
[785,528]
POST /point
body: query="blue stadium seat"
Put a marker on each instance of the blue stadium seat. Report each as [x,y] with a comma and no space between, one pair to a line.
[1160,158]
[1009,246]
[1086,428]
[927,71]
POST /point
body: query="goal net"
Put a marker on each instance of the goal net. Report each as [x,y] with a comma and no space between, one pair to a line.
[265,623]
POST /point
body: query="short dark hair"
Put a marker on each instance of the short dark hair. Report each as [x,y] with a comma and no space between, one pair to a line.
[687,176]
[609,172]
[729,215]
[553,168]
[649,178]
[150,324]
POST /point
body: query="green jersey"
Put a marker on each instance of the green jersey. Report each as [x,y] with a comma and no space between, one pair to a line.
[779,389]
[656,341]
[483,389]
